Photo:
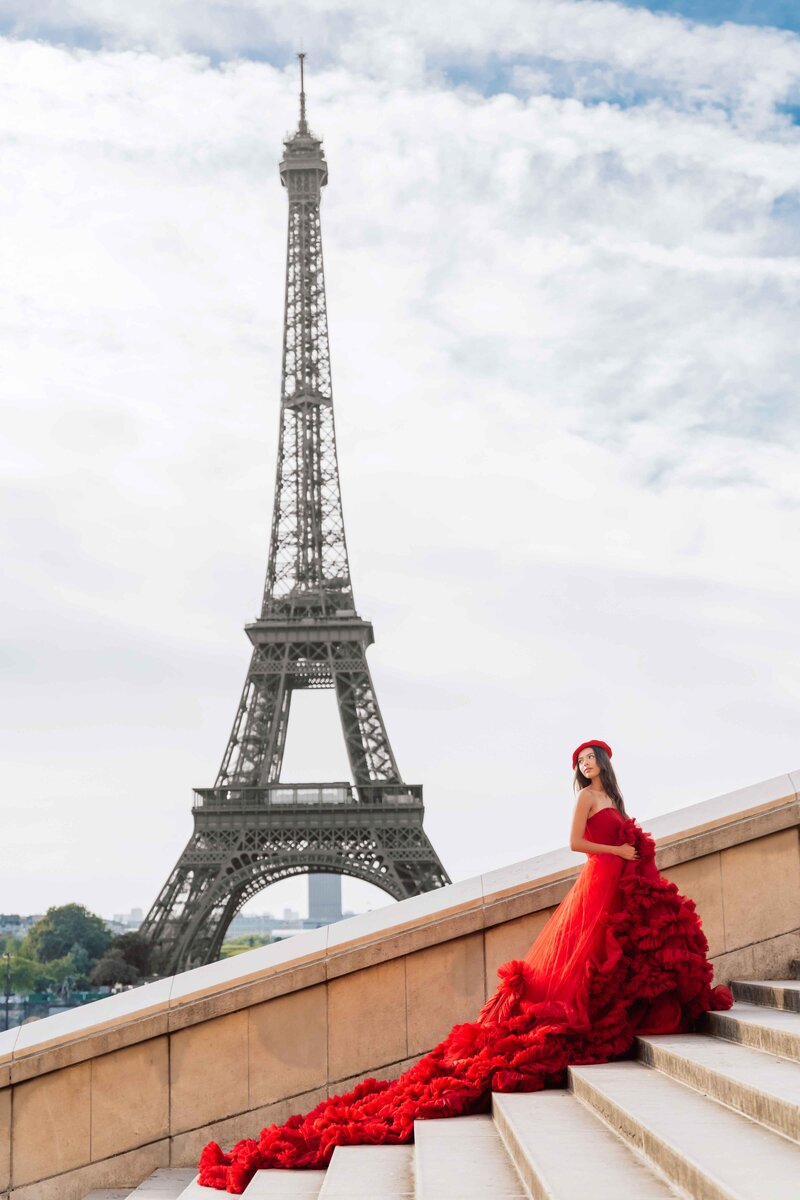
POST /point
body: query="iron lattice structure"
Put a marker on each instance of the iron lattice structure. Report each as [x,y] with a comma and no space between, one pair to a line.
[250,829]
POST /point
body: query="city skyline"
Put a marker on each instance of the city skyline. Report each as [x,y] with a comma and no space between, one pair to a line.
[561,250]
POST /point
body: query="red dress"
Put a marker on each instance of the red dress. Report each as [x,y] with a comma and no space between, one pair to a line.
[624,953]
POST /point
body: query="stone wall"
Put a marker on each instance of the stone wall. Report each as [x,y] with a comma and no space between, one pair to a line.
[102,1095]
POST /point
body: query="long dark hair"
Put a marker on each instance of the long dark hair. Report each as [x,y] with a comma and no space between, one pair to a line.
[607,778]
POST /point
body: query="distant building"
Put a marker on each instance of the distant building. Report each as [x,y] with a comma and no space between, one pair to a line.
[17,925]
[325,898]
[127,922]
[326,909]
[251,923]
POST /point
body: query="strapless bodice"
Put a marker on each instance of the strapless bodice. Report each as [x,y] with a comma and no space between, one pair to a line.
[605,826]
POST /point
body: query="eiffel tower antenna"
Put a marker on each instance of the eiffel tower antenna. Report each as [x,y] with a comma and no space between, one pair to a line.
[251,829]
[302,127]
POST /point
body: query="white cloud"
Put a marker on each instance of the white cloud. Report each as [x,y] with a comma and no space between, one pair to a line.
[564,357]
[588,48]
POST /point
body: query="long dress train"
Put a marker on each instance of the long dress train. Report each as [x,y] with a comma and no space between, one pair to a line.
[624,953]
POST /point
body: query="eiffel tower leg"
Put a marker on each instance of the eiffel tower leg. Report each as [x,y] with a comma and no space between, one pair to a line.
[255,748]
[366,739]
[202,936]
[165,924]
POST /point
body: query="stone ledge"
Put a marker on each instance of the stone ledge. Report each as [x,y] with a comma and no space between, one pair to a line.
[65,1052]
[770,818]
[327,954]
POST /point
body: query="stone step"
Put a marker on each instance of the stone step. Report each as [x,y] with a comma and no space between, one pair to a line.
[167,1183]
[283,1184]
[563,1150]
[386,1172]
[761,1086]
[707,1149]
[463,1158]
[108,1194]
[774,1030]
[193,1191]
[772,993]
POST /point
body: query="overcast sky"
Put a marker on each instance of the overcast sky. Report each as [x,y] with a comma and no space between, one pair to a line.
[561,243]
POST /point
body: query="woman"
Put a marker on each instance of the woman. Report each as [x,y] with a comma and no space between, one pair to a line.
[624,953]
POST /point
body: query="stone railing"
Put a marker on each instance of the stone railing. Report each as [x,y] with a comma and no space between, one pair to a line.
[102,1095]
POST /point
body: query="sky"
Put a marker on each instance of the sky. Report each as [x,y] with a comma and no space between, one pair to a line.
[561,243]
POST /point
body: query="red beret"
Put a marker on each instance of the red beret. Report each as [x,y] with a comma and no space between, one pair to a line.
[584,745]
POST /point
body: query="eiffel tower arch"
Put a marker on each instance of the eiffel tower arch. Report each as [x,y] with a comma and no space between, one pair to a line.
[251,829]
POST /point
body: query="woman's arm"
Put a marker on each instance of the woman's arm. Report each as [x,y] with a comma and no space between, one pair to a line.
[578,842]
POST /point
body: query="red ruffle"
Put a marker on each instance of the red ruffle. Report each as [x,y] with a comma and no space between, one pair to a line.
[651,975]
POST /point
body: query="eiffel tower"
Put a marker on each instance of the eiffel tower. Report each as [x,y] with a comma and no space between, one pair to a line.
[251,829]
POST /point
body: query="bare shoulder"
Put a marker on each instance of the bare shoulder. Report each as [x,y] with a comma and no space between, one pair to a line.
[584,798]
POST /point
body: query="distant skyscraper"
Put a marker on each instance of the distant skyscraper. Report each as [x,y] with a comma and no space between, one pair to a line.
[325,898]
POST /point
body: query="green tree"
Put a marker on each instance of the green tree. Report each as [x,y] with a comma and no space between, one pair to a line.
[135,949]
[10,942]
[64,926]
[81,963]
[25,974]
[58,969]
[112,968]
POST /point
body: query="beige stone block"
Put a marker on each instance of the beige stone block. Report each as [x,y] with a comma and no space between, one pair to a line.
[130,1098]
[5,1138]
[736,964]
[701,881]
[771,959]
[30,1064]
[123,1170]
[367,1019]
[111,1012]
[743,827]
[407,941]
[511,940]
[254,990]
[719,810]
[250,967]
[392,1071]
[185,1148]
[288,1040]
[208,1072]
[50,1132]
[761,888]
[553,866]
[428,908]
[775,958]
[444,985]
[528,901]
[8,1041]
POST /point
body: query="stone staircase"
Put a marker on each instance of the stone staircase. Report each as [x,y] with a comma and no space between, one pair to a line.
[712,1116]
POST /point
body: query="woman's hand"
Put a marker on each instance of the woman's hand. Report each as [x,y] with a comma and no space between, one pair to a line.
[626,851]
